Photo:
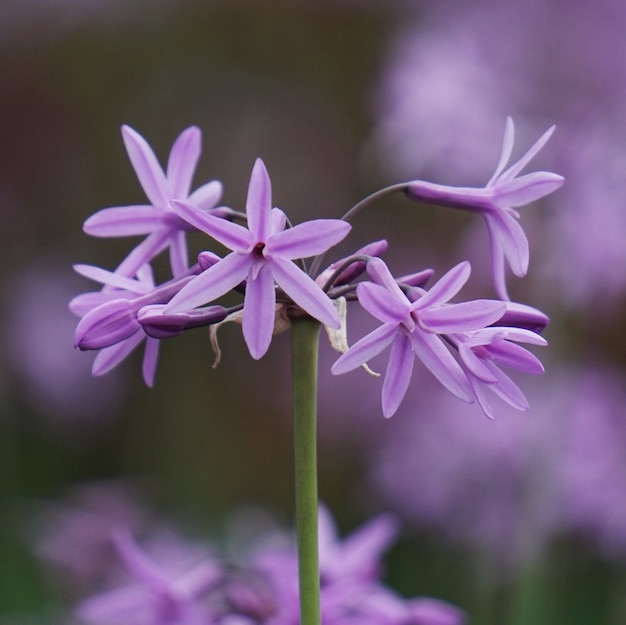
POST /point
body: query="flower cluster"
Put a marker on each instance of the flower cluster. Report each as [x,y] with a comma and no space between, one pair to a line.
[276,267]
[173,582]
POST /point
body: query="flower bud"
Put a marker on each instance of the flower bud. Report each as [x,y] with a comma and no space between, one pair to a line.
[106,325]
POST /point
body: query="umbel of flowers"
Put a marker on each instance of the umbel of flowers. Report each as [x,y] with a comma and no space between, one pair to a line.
[277,268]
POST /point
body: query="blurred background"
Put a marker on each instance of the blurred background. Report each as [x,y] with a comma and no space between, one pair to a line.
[520,520]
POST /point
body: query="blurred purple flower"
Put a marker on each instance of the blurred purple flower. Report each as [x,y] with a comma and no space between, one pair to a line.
[495,203]
[161,596]
[165,229]
[262,254]
[413,328]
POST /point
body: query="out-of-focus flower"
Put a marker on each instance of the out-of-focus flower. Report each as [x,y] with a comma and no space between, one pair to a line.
[495,203]
[165,229]
[413,328]
[262,254]
[511,484]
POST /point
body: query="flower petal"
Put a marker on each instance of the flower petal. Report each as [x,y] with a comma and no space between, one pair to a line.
[146,167]
[304,292]
[259,202]
[515,169]
[124,221]
[439,361]
[150,360]
[110,357]
[446,287]
[111,278]
[182,162]
[385,305]
[527,189]
[514,356]
[233,236]
[259,311]
[511,239]
[179,257]
[462,317]
[365,349]
[398,374]
[309,238]
[143,253]
[210,284]
[207,196]
[507,148]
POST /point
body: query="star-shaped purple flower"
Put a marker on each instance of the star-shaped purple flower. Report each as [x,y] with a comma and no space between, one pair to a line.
[157,219]
[413,327]
[496,202]
[262,256]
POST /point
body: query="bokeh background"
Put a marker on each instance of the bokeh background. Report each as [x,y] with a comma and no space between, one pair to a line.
[521,520]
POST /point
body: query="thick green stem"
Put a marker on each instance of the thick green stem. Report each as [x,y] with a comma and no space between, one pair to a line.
[304,336]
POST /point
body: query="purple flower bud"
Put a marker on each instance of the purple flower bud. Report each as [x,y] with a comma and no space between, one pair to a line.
[163,326]
[207,259]
[523,316]
[354,269]
[106,325]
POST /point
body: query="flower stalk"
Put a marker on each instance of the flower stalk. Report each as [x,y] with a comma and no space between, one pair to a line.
[304,344]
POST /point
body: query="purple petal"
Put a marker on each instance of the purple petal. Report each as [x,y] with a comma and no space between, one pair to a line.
[523,316]
[146,167]
[150,247]
[463,317]
[111,278]
[304,292]
[507,148]
[110,357]
[398,374]
[150,360]
[475,365]
[207,196]
[507,390]
[439,361]
[446,287]
[113,606]
[124,221]
[511,238]
[182,162]
[179,257]
[309,238]
[211,283]
[527,189]
[365,349]
[259,202]
[259,311]
[85,302]
[106,325]
[389,307]
[512,171]
[514,356]
[233,236]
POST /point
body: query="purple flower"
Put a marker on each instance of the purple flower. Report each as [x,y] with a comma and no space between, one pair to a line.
[262,255]
[157,219]
[496,202]
[161,596]
[483,351]
[414,329]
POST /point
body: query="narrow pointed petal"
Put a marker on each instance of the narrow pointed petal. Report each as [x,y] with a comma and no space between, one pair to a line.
[146,167]
[462,317]
[516,357]
[259,312]
[259,202]
[233,236]
[124,221]
[507,148]
[207,196]
[382,304]
[150,247]
[106,325]
[110,357]
[179,257]
[210,284]
[309,238]
[512,240]
[182,162]
[481,397]
[508,391]
[515,169]
[110,278]
[476,366]
[440,362]
[85,302]
[446,287]
[379,273]
[150,360]
[365,349]
[113,606]
[398,374]
[138,562]
[305,293]
[527,189]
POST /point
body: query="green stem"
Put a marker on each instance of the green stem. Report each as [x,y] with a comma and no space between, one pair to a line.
[304,336]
